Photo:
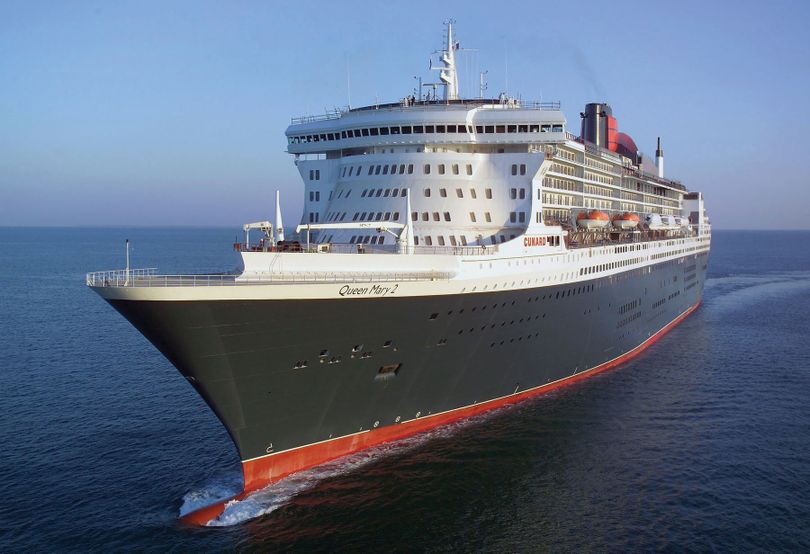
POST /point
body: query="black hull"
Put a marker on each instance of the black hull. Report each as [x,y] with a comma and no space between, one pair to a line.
[372,363]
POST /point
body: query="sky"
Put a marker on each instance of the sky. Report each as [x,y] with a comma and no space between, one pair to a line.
[173,113]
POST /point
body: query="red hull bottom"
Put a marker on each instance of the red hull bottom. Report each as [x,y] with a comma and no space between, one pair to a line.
[264,471]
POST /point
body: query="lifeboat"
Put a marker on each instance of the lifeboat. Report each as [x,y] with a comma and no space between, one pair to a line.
[625,221]
[593,219]
[654,222]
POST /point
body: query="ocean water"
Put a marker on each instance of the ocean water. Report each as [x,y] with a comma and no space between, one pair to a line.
[701,443]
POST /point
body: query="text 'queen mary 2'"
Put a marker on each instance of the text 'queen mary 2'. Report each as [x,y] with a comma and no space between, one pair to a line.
[454,255]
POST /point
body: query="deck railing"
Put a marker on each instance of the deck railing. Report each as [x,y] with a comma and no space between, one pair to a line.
[149,278]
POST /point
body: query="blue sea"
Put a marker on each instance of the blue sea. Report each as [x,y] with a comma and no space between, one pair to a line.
[702,443]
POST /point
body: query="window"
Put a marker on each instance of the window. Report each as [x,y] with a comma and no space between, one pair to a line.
[500,128]
[317,196]
[488,193]
[387,216]
[513,217]
[453,240]
[523,169]
[365,132]
[522,217]
[377,169]
[441,169]
[440,128]
[514,169]
[401,169]
[426,169]
[379,192]
[455,169]
[472,217]
[489,129]
[460,193]
[418,129]
[425,216]
[382,240]
[513,193]
[385,170]
[427,193]
[463,240]
[443,193]
[436,216]
[429,241]
[363,216]
[479,128]
[386,193]
[522,194]
[523,128]
[469,169]
[534,128]
[394,192]
[447,216]
[441,240]
[374,131]
[451,128]
[396,216]
[414,216]
[429,129]
[383,130]
[378,216]
[487,217]
[511,128]
[394,130]
[406,129]
[410,169]
[473,195]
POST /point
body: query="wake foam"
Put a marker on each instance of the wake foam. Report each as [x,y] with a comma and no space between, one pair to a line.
[739,291]
[216,491]
[276,495]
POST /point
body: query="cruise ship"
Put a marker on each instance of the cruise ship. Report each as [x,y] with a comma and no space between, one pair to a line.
[454,255]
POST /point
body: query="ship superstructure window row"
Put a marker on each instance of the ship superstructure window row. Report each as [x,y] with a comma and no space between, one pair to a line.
[426,129]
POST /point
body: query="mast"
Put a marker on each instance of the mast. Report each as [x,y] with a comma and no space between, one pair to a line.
[659,159]
[279,224]
[448,74]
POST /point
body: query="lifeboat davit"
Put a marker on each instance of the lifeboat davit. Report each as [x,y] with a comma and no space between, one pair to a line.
[625,221]
[593,219]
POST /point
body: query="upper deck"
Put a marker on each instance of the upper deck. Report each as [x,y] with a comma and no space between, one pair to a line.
[420,122]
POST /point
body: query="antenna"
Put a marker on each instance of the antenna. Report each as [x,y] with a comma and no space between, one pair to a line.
[506,66]
[482,85]
[348,81]
[126,280]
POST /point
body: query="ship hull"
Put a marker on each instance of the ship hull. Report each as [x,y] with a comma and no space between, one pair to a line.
[299,382]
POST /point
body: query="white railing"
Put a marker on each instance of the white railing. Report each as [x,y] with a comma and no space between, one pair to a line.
[149,278]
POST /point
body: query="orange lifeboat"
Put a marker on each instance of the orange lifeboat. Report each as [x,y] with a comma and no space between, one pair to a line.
[593,219]
[625,221]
